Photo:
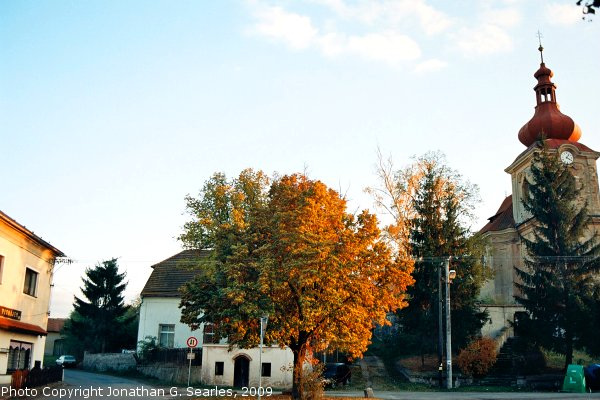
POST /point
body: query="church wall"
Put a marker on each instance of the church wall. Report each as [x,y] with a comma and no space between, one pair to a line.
[499,317]
[503,255]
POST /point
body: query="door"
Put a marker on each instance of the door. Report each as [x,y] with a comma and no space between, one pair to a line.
[241,372]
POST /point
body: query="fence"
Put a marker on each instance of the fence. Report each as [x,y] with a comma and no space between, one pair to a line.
[35,377]
[173,356]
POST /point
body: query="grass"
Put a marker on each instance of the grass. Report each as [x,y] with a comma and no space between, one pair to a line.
[413,363]
[556,361]
[49,360]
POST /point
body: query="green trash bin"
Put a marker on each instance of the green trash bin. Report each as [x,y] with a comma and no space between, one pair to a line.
[574,379]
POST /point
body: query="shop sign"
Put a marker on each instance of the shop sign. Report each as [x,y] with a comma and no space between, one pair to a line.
[10,313]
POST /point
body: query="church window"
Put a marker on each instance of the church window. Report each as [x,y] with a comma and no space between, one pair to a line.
[525,189]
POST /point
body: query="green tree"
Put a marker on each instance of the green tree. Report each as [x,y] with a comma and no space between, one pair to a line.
[558,282]
[431,205]
[103,323]
[288,248]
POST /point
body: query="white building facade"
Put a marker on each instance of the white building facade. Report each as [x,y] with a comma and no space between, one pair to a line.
[26,268]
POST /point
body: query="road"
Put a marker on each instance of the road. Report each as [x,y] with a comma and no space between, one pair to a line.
[466,395]
[86,385]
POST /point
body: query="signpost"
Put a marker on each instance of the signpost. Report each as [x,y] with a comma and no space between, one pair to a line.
[191,343]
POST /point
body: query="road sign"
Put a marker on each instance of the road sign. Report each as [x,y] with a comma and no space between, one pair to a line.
[192,342]
[191,356]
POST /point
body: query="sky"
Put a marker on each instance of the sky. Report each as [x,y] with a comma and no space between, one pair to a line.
[112,111]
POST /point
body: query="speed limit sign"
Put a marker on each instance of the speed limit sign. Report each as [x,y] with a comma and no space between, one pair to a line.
[192,342]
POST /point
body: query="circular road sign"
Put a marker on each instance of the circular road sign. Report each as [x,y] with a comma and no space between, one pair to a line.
[192,342]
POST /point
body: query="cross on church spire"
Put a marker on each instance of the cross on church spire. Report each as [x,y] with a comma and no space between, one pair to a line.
[541,48]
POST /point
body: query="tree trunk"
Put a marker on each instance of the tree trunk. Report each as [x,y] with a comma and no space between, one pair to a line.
[296,374]
[568,348]
[298,348]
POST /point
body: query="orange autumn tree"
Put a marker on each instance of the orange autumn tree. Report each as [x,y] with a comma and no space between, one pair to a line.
[289,248]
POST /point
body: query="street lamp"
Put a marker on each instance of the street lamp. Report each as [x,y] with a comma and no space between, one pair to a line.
[263,327]
[450,275]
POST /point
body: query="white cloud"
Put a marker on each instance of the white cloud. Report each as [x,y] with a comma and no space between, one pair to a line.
[298,32]
[562,14]
[332,44]
[507,17]
[389,47]
[392,14]
[483,40]
[293,29]
[382,30]
[431,65]
[432,20]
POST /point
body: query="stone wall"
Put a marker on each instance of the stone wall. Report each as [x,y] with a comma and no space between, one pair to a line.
[109,361]
[171,374]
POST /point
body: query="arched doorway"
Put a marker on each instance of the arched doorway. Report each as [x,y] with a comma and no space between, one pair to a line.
[241,371]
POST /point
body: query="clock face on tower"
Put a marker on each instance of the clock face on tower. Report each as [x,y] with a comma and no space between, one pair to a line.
[566,157]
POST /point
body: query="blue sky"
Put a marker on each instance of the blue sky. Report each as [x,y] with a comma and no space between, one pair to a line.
[112,111]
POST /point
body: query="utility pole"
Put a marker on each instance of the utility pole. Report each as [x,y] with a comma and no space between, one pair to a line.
[263,327]
[440,327]
[448,327]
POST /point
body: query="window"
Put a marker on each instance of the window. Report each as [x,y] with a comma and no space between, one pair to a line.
[266,369]
[31,278]
[208,336]
[1,264]
[19,355]
[166,336]
[219,367]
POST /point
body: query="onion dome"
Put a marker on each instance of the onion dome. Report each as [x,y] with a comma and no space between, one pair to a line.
[547,120]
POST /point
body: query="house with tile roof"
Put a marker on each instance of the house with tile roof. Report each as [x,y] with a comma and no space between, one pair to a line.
[54,340]
[159,311]
[26,267]
[220,365]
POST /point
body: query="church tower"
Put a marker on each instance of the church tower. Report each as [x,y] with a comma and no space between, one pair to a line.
[511,221]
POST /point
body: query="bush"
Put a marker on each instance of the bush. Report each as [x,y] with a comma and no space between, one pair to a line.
[146,346]
[478,357]
[311,382]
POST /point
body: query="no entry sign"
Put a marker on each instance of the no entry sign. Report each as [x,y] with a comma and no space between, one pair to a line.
[192,342]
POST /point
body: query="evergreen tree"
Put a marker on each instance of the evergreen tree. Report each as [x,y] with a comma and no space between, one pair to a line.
[436,233]
[102,323]
[557,284]
[441,204]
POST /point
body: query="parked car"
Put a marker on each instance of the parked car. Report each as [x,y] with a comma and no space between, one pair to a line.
[336,374]
[66,361]
[592,377]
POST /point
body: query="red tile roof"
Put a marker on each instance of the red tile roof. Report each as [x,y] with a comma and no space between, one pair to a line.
[22,327]
[503,218]
[56,324]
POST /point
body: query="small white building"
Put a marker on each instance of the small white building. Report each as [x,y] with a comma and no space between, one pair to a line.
[240,367]
[26,268]
[160,318]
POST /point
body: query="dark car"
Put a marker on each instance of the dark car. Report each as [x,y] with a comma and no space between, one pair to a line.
[592,376]
[66,361]
[336,374]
